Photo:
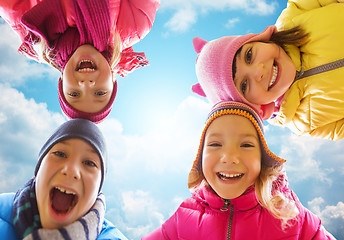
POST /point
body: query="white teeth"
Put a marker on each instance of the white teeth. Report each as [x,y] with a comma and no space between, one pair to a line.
[86,69]
[86,61]
[230,175]
[274,75]
[64,190]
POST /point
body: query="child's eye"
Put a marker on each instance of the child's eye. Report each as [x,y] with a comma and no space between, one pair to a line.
[60,154]
[243,86]
[74,94]
[100,93]
[248,56]
[214,145]
[90,163]
[247,145]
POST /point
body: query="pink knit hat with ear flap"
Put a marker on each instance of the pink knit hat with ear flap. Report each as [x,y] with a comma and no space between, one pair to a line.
[214,68]
[71,112]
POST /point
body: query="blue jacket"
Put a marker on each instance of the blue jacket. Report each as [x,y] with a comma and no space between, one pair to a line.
[109,231]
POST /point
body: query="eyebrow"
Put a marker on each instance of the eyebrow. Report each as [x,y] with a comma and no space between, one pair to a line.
[238,58]
[73,100]
[100,100]
[213,135]
[77,100]
[242,135]
[249,135]
[90,148]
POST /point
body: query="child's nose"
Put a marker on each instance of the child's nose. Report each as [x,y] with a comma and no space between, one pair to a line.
[90,83]
[230,156]
[71,170]
[258,72]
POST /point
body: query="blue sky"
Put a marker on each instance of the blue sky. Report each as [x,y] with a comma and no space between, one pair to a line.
[154,128]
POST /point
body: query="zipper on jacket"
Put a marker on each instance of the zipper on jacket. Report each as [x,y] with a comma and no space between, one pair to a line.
[224,209]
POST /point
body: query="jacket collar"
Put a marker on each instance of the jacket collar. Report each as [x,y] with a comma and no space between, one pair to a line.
[206,196]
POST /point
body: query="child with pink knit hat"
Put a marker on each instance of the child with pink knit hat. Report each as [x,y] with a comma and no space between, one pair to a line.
[88,41]
[291,73]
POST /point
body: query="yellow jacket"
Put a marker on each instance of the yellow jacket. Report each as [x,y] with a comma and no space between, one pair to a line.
[315,105]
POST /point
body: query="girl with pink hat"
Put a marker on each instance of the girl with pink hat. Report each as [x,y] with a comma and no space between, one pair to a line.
[291,73]
[239,187]
[88,41]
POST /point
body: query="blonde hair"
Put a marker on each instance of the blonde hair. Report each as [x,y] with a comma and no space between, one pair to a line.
[275,201]
[270,197]
[46,55]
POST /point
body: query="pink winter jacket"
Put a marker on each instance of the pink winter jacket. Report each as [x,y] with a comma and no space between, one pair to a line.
[133,19]
[207,216]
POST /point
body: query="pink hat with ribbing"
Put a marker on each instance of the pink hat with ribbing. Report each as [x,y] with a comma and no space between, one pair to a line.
[214,68]
[71,112]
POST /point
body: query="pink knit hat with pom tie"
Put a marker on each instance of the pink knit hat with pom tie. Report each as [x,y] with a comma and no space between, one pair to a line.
[71,112]
[214,68]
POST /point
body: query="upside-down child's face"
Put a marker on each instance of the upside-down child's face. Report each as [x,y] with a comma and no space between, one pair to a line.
[67,182]
[231,155]
[264,72]
[87,80]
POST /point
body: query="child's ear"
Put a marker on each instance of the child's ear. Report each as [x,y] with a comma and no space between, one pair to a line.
[267,110]
[198,44]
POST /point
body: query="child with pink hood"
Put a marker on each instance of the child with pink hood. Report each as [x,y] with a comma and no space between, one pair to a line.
[88,41]
[291,73]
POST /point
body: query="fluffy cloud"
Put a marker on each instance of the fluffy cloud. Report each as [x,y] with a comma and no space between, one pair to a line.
[332,216]
[303,153]
[231,22]
[182,20]
[14,67]
[186,12]
[173,141]
[24,126]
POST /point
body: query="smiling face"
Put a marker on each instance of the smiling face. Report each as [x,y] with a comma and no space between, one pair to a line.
[231,159]
[67,182]
[87,80]
[264,72]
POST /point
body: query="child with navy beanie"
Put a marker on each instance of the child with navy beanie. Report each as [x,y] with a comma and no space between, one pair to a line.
[63,200]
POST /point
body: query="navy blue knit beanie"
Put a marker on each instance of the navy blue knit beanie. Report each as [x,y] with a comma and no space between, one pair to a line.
[82,129]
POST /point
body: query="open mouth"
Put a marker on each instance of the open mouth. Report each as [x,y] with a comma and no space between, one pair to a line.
[62,200]
[86,66]
[227,176]
[274,76]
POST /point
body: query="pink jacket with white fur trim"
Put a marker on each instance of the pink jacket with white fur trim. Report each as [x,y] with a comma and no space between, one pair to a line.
[207,216]
[133,19]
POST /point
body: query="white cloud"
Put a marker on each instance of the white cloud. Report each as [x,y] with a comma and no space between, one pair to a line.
[173,141]
[16,68]
[187,11]
[332,216]
[140,213]
[158,162]
[303,162]
[182,20]
[231,22]
[24,126]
